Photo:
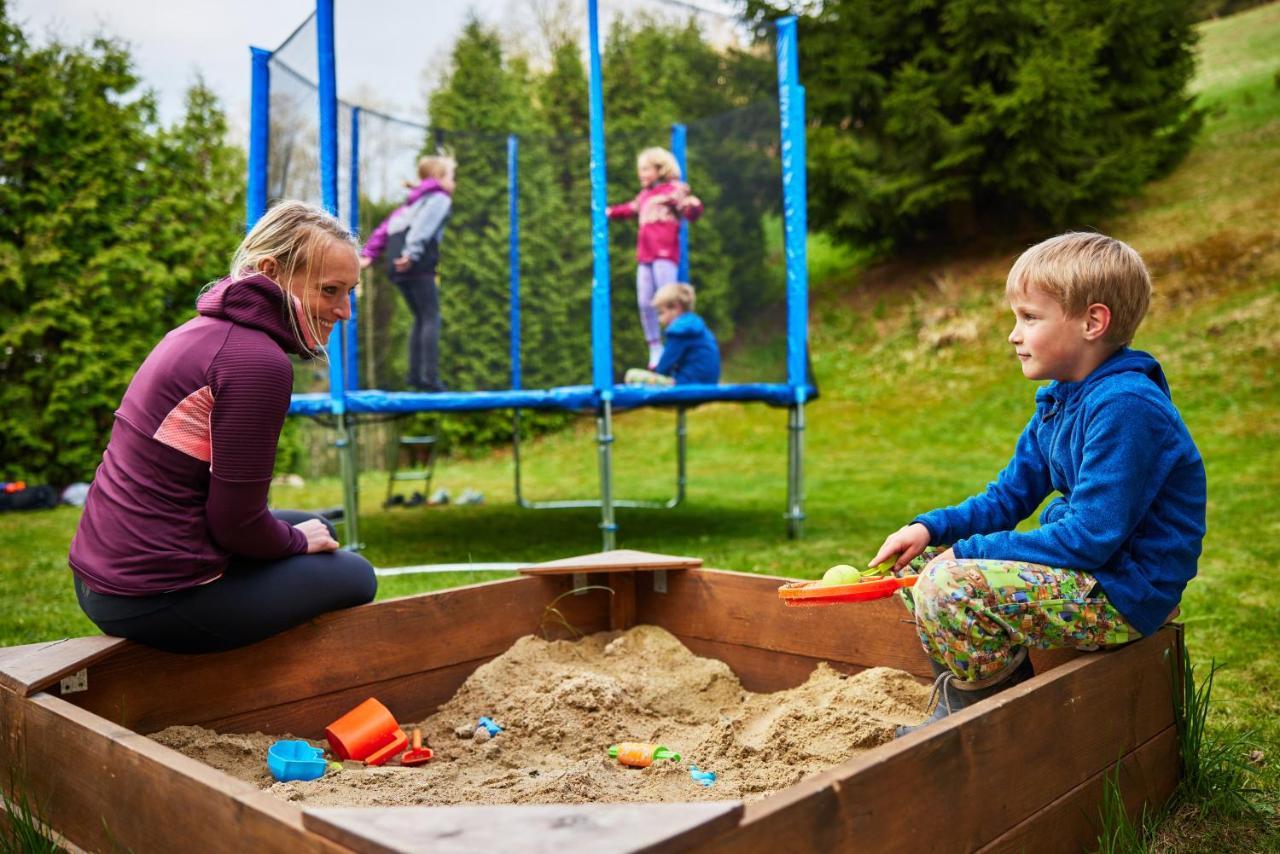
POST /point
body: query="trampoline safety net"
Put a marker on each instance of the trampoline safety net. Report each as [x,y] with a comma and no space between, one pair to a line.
[515,270]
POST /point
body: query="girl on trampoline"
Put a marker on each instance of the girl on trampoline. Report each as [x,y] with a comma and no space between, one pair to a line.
[177,548]
[691,354]
[410,238]
[663,200]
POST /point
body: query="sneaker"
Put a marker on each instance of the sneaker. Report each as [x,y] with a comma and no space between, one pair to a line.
[440,496]
[471,496]
[416,499]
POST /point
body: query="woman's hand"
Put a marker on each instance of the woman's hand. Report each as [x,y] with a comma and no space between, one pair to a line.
[365,262]
[318,539]
[906,543]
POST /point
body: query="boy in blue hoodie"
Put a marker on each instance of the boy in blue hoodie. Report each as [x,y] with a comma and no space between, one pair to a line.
[1117,546]
[690,354]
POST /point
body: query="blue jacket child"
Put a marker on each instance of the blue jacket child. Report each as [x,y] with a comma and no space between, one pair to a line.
[1132,487]
[690,353]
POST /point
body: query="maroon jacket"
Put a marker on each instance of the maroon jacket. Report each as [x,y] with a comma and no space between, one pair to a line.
[660,209]
[183,482]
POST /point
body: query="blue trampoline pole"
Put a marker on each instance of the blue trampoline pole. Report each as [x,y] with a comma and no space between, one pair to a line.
[601,329]
[513,252]
[259,137]
[353,220]
[678,148]
[328,86]
[794,177]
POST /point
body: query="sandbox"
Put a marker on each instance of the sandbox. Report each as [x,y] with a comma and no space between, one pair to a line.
[1023,770]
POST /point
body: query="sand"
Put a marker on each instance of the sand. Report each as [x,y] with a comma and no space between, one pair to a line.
[563,703]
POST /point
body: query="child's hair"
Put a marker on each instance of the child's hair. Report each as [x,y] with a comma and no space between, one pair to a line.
[434,166]
[1078,269]
[662,161]
[294,234]
[677,294]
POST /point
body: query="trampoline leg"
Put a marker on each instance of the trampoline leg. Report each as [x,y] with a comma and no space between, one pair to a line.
[682,435]
[604,441]
[795,471]
[350,483]
[515,454]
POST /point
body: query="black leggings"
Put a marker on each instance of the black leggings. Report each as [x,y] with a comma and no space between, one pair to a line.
[253,599]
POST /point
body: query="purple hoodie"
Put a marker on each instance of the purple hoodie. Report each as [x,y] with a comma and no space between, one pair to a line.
[183,482]
[377,242]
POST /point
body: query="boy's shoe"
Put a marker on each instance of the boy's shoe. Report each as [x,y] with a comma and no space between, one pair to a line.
[394,501]
[440,496]
[471,496]
[953,694]
[415,500]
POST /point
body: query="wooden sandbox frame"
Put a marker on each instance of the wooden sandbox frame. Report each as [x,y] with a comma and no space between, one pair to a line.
[1021,771]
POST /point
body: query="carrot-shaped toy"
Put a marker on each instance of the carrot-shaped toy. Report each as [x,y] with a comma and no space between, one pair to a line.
[641,754]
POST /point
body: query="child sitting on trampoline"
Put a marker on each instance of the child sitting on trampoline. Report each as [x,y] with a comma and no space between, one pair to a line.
[1116,548]
[663,200]
[410,237]
[691,354]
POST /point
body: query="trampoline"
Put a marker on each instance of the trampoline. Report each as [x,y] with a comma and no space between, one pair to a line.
[338,130]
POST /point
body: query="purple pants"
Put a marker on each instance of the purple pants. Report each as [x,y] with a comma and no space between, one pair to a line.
[650,277]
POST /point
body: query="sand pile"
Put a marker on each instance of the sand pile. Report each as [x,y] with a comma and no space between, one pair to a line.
[563,703]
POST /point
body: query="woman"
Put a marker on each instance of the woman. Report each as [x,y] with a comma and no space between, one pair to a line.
[176,548]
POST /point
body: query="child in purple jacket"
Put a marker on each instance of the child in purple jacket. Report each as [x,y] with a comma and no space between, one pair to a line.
[410,238]
[663,201]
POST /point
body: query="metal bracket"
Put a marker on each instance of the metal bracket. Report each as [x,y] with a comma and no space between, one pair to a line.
[75,683]
[659,581]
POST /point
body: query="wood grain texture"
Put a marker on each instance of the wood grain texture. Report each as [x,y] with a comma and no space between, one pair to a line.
[108,789]
[1147,776]
[980,772]
[744,610]
[559,828]
[26,669]
[618,560]
[345,651]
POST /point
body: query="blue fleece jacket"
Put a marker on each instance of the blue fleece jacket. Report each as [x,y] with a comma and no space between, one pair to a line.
[1132,484]
[690,353]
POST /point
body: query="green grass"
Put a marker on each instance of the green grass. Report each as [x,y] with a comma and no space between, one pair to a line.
[921,402]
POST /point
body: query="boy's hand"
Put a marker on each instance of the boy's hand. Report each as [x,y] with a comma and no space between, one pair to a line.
[906,543]
[365,262]
[403,263]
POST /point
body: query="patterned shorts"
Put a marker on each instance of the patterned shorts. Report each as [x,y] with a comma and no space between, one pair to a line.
[973,614]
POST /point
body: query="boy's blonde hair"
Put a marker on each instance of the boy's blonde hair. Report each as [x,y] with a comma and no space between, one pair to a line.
[1078,269]
[295,235]
[677,294]
[436,166]
[663,162]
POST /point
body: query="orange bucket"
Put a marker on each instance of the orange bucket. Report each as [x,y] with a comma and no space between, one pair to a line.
[367,733]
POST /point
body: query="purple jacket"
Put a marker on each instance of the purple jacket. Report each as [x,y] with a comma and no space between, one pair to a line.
[377,242]
[183,481]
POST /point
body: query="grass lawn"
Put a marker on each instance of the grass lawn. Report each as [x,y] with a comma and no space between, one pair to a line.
[921,403]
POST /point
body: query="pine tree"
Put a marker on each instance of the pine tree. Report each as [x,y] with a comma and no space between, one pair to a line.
[105,239]
[940,118]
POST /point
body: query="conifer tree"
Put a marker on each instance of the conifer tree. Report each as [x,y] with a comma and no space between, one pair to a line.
[109,226]
[942,118]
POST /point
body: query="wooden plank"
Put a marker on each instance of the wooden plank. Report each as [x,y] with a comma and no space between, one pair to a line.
[1148,777]
[737,608]
[561,828]
[27,669]
[622,604]
[761,670]
[409,699]
[371,645]
[618,560]
[981,771]
[108,789]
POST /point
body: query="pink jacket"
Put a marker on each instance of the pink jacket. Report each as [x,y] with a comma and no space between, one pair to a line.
[659,208]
